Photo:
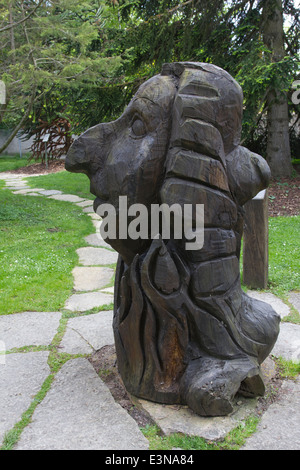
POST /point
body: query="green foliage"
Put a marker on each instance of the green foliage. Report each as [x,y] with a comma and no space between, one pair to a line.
[83,61]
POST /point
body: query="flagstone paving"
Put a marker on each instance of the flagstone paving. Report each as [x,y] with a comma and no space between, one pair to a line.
[77,410]
[294,299]
[88,301]
[95,239]
[28,328]
[92,256]
[89,333]
[90,278]
[22,376]
[83,416]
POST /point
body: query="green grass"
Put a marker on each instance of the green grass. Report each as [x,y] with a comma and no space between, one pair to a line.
[38,239]
[8,162]
[69,183]
[288,369]
[284,257]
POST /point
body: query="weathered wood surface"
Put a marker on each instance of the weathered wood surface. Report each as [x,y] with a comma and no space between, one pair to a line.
[185,332]
[255,242]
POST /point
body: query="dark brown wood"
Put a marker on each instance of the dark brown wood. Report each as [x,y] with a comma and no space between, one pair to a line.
[185,332]
[255,242]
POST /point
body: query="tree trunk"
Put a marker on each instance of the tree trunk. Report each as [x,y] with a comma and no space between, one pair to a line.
[278,143]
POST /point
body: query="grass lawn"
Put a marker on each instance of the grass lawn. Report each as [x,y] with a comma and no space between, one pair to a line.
[284,254]
[69,183]
[38,239]
[8,162]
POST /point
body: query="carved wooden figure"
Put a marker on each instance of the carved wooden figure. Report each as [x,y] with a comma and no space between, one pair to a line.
[185,332]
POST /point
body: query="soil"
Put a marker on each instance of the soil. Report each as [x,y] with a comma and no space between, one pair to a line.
[40,168]
[284,196]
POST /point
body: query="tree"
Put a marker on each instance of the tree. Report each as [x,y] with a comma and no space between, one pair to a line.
[85,60]
[278,151]
[248,39]
[55,65]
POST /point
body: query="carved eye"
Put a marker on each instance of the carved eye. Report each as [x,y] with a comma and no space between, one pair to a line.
[138,128]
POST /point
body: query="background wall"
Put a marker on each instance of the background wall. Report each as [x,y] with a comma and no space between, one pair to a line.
[16,145]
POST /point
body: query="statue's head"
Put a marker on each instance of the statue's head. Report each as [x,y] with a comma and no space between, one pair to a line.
[182,125]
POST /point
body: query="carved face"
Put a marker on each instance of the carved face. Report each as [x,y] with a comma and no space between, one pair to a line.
[126,157]
[183,125]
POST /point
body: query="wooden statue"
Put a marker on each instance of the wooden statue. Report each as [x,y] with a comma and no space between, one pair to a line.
[185,332]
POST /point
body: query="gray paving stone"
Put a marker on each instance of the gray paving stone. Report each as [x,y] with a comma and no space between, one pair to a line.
[95,239]
[95,216]
[25,191]
[181,419]
[84,302]
[109,290]
[84,203]
[67,197]
[89,278]
[21,377]
[17,187]
[88,333]
[278,305]
[89,209]
[8,179]
[294,298]
[279,427]
[49,192]
[288,342]
[28,329]
[79,413]
[91,256]
[96,223]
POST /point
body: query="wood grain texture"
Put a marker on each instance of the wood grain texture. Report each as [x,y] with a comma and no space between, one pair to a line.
[185,332]
[255,244]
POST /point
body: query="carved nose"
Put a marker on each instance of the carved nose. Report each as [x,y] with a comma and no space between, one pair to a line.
[86,153]
[77,159]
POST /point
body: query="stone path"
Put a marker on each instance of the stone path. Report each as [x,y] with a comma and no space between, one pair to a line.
[72,408]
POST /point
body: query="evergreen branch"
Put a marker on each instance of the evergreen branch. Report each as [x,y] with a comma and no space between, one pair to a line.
[10,26]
